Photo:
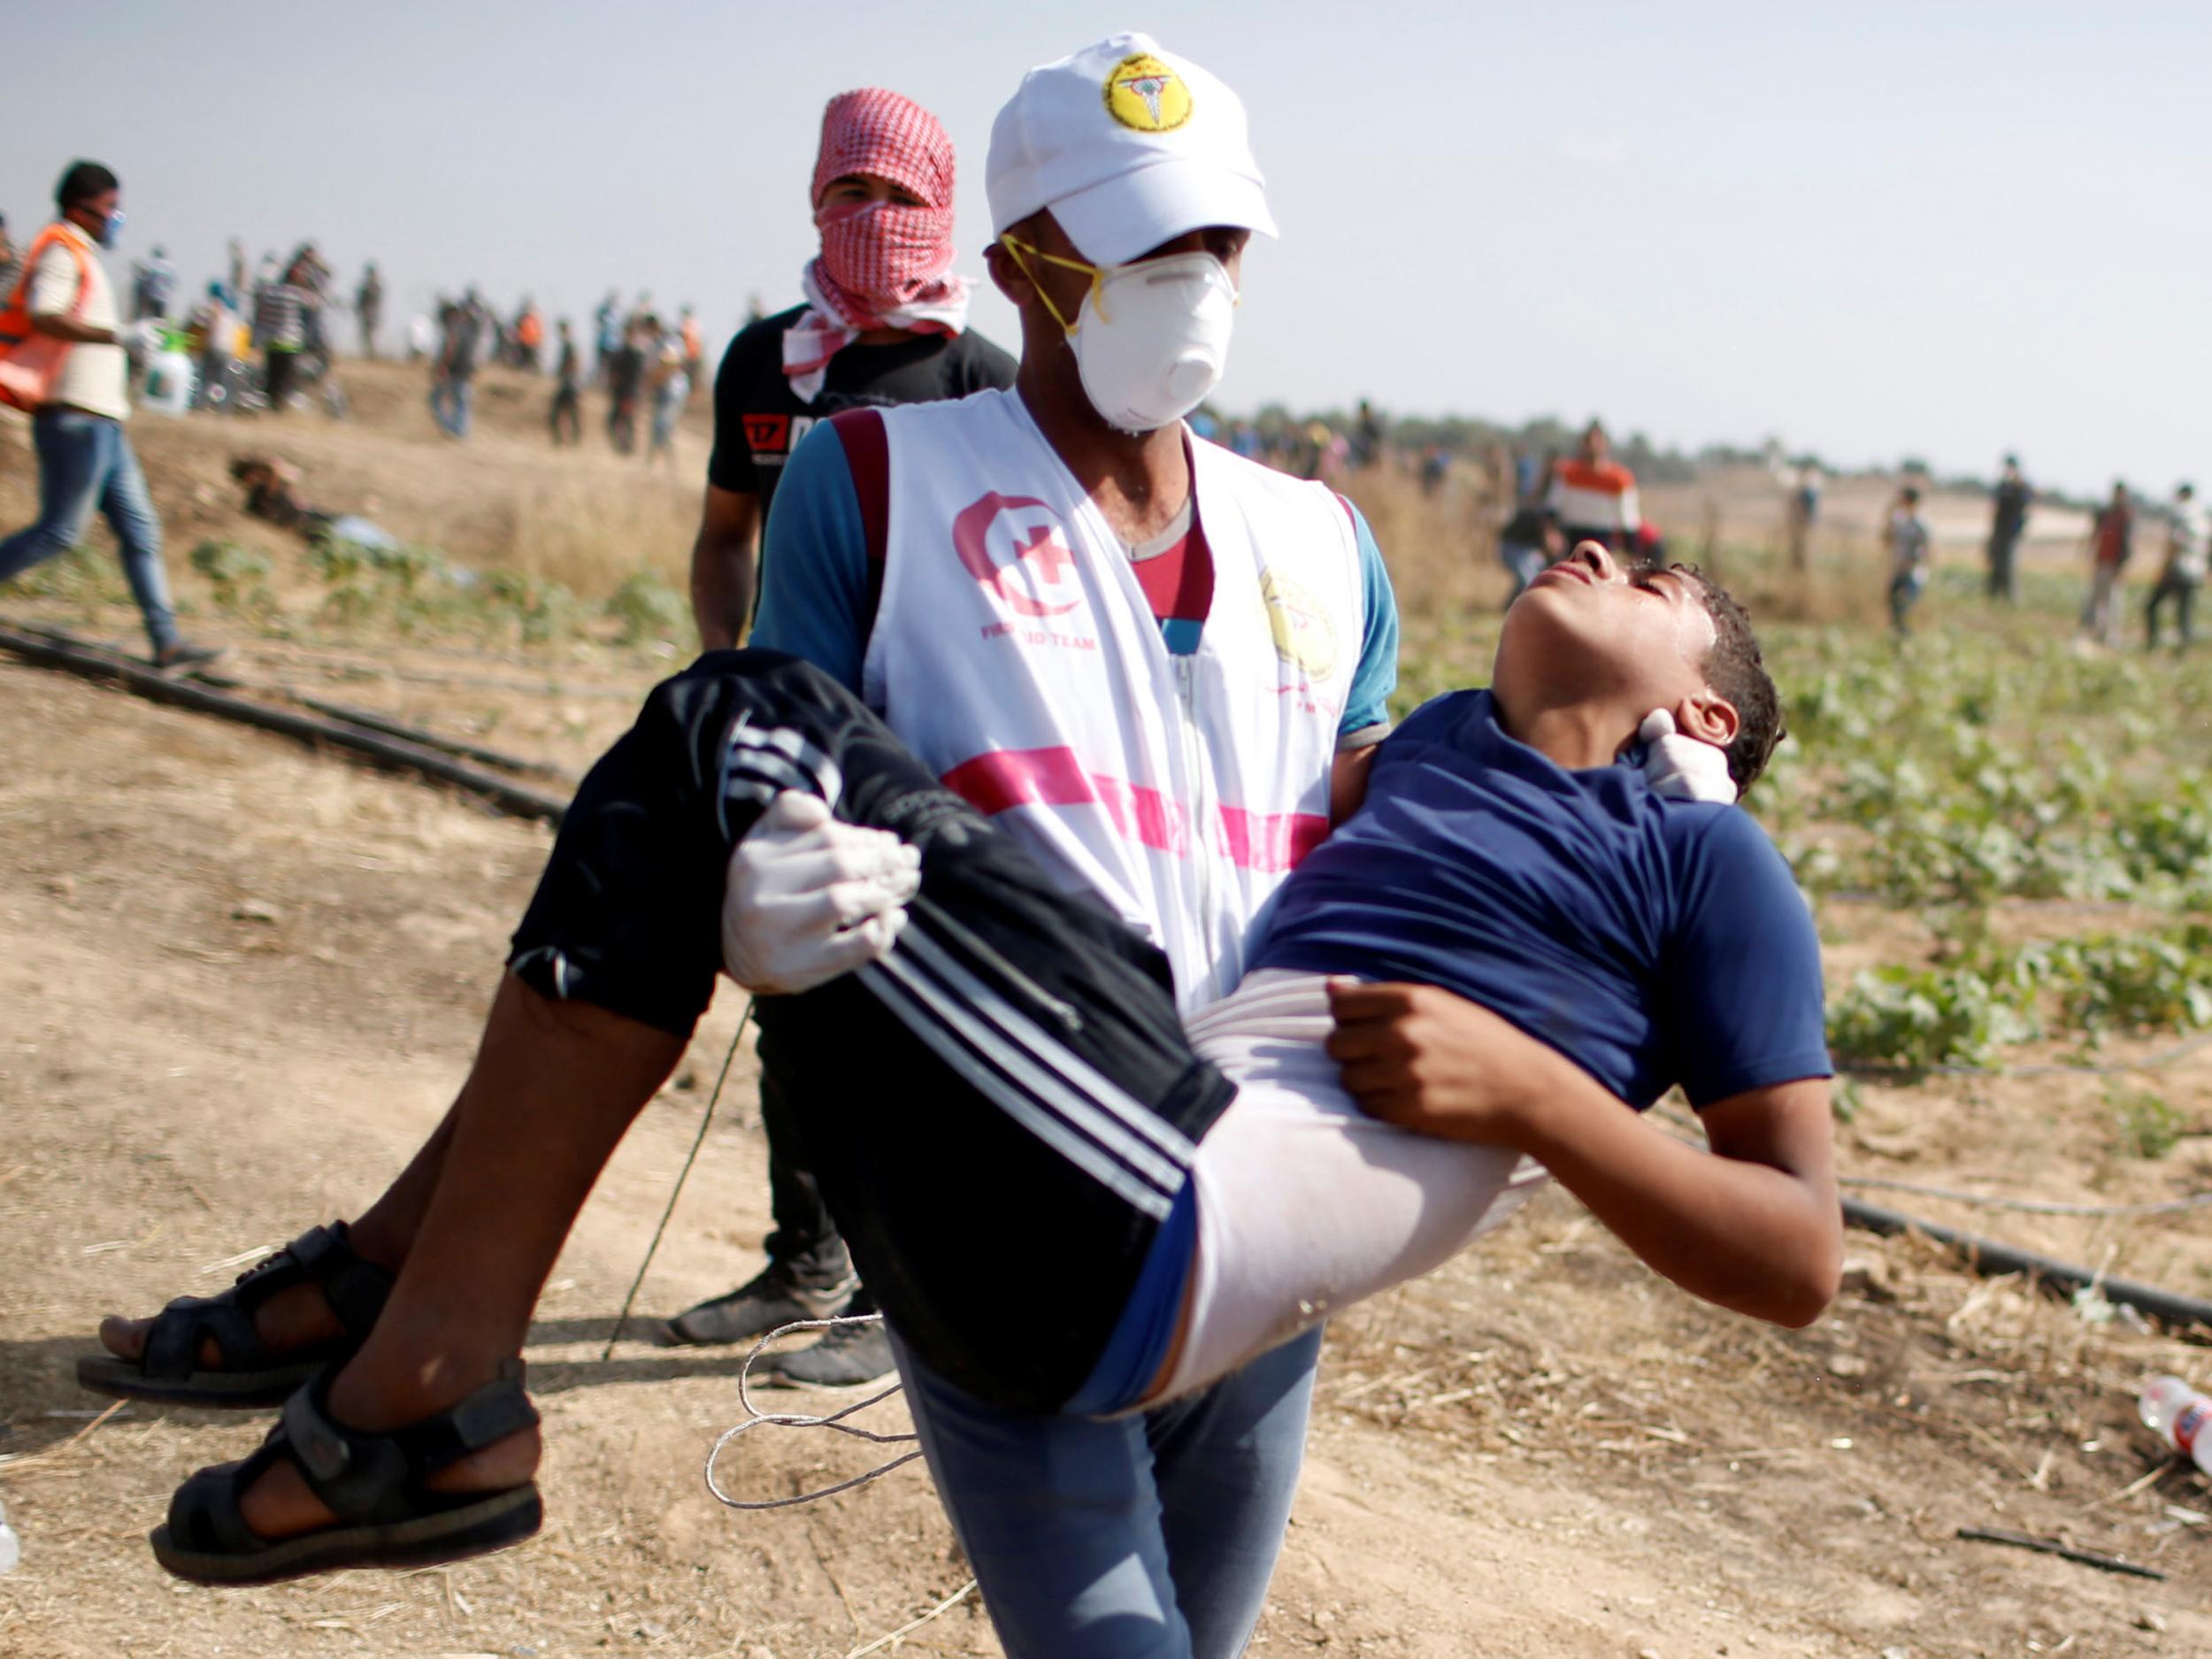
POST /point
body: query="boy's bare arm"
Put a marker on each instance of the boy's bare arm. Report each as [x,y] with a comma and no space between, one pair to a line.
[1754,1225]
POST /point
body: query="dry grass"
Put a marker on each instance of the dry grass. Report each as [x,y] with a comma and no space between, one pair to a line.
[506,500]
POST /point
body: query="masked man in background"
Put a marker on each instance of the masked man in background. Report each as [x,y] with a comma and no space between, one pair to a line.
[885,322]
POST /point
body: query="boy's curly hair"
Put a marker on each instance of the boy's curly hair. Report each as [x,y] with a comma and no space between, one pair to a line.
[1739,673]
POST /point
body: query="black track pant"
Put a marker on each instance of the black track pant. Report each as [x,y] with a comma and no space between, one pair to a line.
[2183,594]
[1000,1113]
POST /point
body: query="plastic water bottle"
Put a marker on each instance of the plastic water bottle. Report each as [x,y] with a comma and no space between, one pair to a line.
[11,1546]
[170,379]
[2178,1415]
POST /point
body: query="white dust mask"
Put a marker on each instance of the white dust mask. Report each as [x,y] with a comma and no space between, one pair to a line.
[1151,341]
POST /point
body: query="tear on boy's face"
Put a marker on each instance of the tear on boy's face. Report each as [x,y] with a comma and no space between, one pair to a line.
[1592,630]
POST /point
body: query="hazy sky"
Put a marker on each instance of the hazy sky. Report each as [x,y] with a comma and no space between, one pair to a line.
[1942,229]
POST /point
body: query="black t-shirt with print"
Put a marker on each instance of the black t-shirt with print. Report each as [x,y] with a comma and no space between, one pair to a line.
[757,418]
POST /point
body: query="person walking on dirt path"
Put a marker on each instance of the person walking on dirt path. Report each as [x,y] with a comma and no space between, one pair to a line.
[217,332]
[606,321]
[368,308]
[626,383]
[1367,437]
[885,324]
[2008,507]
[279,332]
[11,261]
[453,371]
[2111,544]
[694,346]
[528,334]
[1800,512]
[1593,497]
[154,284]
[1528,541]
[2188,546]
[567,417]
[669,389]
[311,277]
[85,457]
[1905,533]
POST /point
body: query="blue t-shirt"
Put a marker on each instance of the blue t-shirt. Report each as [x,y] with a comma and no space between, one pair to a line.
[817,600]
[1652,942]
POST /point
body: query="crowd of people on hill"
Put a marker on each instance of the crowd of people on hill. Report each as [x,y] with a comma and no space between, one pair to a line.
[1556,501]
[264,340]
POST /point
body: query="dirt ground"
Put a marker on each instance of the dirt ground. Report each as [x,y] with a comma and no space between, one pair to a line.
[241,979]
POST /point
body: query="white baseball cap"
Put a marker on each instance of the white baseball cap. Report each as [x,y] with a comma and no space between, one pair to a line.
[1130,146]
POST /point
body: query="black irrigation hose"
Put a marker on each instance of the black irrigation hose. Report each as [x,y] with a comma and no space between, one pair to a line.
[366,718]
[398,754]
[1989,1257]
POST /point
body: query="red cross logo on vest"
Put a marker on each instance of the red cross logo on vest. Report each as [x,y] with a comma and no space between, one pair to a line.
[1014,545]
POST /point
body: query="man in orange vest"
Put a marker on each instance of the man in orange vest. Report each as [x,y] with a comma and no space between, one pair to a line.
[1593,497]
[85,457]
[529,336]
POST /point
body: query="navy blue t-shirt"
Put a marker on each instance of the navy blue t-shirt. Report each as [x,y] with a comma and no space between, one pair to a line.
[1652,942]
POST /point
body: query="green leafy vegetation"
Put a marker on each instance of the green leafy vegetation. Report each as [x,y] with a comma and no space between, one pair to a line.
[2145,1124]
[416,590]
[237,576]
[649,610]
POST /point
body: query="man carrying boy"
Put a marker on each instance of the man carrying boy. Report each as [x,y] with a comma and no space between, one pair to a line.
[1546,945]
[589,1023]
[1100,710]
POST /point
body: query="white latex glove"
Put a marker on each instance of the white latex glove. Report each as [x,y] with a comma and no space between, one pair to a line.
[1686,768]
[809,898]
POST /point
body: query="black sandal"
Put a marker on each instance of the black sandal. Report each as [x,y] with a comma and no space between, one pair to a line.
[252,1375]
[388,1517]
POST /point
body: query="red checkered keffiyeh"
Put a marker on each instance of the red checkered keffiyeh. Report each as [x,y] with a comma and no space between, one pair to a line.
[883,265]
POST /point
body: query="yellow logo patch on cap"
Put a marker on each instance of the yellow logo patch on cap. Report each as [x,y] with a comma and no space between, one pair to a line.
[1145,94]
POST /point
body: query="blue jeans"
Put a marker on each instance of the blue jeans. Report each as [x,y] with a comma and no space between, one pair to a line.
[1905,588]
[1139,1537]
[86,461]
[449,400]
[1523,564]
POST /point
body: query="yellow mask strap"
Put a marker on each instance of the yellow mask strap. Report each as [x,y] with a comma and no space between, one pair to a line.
[1018,248]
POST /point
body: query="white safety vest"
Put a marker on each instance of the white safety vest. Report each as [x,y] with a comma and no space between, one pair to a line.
[1015,653]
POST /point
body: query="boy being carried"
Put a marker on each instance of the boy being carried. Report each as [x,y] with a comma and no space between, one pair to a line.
[1510,951]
